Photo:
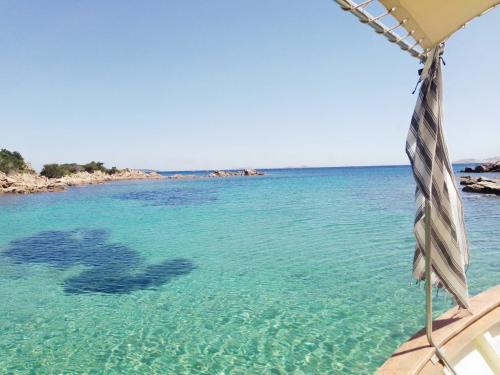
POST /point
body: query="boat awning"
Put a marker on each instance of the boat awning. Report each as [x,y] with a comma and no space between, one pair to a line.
[427,23]
[431,22]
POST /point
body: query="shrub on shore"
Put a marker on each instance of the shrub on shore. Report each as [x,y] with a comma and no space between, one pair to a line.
[113,170]
[55,170]
[94,166]
[61,170]
[12,162]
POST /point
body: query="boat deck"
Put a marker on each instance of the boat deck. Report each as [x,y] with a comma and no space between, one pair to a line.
[471,342]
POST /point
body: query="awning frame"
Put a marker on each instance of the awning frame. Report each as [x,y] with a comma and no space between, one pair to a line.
[392,34]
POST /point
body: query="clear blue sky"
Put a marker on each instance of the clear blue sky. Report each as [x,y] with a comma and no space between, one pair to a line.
[197,84]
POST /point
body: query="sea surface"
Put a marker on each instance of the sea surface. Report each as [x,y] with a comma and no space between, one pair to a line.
[301,271]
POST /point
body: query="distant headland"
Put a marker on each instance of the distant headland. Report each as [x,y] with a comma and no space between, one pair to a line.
[18,176]
[477,161]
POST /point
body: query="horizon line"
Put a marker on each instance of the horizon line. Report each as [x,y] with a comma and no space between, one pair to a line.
[288,167]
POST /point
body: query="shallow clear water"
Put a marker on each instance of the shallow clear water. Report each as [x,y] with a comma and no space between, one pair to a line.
[305,271]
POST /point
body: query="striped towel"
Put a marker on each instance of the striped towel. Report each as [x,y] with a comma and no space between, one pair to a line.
[426,149]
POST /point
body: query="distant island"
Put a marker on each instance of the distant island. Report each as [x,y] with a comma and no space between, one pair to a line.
[477,161]
[18,176]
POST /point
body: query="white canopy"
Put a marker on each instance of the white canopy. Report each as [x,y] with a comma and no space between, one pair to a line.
[430,22]
[427,22]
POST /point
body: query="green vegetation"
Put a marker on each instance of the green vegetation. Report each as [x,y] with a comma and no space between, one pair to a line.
[11,162]
[113,170]
[60,170]
[94,166]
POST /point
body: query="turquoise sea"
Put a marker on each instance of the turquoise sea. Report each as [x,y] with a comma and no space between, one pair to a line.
[301,271]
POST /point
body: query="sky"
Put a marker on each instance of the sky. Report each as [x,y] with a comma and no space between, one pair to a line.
[197,84]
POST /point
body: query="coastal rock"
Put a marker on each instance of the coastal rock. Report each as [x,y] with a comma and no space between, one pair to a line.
[10,180]
[133,174]
[183,177]
[217,173]
[480,185]
[153,175]
[30,182]
[25,183]
[29,168]
[484,168]
[98,177]
[220,173]
[6,181]
[252,172]
[245,172]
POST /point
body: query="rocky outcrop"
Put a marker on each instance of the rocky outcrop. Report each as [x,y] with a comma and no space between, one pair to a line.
[484,168]
[216,174]
[85,178]
[480,185]
[244,172]
[252,172]
[220,173]
[25,183]
[184,177]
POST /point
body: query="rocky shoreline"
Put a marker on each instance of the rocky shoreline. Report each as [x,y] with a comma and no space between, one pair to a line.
[26,183]
[481,185]
[31,182]
[216,174]
[483,168]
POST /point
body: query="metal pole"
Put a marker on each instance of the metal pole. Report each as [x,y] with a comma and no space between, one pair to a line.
[428,271]
[428,287]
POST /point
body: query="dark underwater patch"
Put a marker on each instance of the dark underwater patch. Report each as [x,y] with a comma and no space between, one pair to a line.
[171,197]
[112,268]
